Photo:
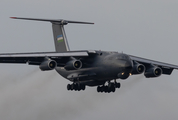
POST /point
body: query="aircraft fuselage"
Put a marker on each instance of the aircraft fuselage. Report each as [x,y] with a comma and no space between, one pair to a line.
[99,68]
[86,67]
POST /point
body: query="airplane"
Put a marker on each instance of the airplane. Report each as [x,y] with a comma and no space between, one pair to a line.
[87,67]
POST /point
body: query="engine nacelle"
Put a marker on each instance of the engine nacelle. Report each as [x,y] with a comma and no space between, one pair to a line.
[73,65]
[48,65]
[137,68]
[153,71]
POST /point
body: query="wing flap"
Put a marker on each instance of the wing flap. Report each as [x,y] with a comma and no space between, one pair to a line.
[167,71]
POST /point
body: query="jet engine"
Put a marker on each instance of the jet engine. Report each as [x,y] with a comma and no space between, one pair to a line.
[73,65]
[153,71]
[138,68]
[48,65]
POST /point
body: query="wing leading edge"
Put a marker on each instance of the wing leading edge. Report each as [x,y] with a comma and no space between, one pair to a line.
[37,58]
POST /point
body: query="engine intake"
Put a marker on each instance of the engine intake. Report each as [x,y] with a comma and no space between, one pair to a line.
[153,71]
[138,68]
[73,65]
[48,65]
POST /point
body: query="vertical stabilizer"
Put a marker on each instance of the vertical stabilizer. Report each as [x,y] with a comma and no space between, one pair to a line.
[60,39]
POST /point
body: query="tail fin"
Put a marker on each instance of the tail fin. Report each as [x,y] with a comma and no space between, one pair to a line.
[60,39]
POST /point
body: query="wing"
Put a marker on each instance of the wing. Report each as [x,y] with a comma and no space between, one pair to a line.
[38,58]
[166,68]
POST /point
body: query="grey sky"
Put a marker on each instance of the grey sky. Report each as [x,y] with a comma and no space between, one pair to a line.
[146,28]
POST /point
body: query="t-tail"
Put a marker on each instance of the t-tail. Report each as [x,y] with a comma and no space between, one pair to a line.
[60,39]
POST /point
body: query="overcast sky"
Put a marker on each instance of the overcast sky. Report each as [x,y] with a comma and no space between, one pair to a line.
[146,28]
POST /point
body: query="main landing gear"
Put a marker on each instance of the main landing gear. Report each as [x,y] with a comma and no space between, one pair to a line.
[111,87]
[75,86]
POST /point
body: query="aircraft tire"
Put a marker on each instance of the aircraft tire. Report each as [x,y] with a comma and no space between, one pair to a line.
[78,86]
[112,86]
[83,87]
[102,89]
[105,89]
[98,89]
[118,85]
[75,87]
[69,87]
[72,87]
[113,89]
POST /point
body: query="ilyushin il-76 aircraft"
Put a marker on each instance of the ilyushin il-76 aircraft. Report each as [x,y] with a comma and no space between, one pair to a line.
[87,67]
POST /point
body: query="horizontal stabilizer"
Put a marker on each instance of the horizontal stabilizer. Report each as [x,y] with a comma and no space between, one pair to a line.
[59,21]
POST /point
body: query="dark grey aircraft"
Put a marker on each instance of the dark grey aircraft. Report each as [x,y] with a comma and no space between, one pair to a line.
[88,67]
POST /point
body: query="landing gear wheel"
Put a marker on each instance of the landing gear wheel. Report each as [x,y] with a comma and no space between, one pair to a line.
[75,87]
[105,89]
[69,87]
[113,89]
[78,87]
[82,87]
[98,89]
[72,86]
[102,89]
[118,85]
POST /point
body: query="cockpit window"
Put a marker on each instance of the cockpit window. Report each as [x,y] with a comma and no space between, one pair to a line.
[122,57]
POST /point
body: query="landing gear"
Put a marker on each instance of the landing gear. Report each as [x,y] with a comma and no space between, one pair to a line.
[111,87]
[117,85]
[75,86]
